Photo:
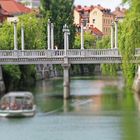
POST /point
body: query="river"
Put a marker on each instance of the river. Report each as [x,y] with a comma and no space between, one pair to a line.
[97,110]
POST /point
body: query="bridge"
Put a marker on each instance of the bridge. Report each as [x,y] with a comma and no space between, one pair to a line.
[65,57]
[73,56]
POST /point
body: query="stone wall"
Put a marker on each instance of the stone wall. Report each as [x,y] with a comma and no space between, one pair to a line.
[2,85]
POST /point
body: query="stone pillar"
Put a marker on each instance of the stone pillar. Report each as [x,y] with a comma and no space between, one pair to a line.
[138,73]
[22,38]
[2,85]
[15,35]
[52,36]
[68,33]
[112,35]
[66,64]
[49,34]
[116,34]
[65,105]
[66,79]
[82,35]
[66,41]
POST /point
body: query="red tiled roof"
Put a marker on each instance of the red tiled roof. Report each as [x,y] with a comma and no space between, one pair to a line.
[119,13]
[12,7]
[86,8]
[3,12]
[79,8]
[96,31]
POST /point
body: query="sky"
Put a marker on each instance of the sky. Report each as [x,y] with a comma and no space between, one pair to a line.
[112,4]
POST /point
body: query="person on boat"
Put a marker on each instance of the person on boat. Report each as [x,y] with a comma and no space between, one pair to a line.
[4,106]
[13,105]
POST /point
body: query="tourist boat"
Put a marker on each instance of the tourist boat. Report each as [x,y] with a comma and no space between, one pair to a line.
[17,104]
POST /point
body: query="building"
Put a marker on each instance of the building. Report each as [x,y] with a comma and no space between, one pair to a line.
[3,14]
[101,18]
[81,14]
[97,17]
[12,9]
[119,13]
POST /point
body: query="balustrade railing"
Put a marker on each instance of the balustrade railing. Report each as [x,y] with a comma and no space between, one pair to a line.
[60,53]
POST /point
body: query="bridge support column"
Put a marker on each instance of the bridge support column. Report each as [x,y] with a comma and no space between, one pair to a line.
[49,34]
[82,35]
[116,34]
[15,35]
[66,79]
[112,35]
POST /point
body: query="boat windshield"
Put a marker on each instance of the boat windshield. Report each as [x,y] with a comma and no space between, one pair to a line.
[16,103]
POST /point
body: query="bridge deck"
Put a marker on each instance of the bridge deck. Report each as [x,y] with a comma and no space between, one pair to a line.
[75,56]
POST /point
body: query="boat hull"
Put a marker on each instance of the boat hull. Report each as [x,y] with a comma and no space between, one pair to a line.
[17,113]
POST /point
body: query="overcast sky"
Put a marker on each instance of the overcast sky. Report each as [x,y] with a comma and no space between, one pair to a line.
[105,3]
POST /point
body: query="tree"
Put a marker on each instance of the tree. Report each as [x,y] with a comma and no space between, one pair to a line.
[107,69]
[34,39]
[129,40]
[34,33]
[60,12]
[103,43]
[89,41]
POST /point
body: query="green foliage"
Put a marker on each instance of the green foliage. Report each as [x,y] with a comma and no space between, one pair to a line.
[34,39]
[103,43]
[12,71]
[129,40]
[60,12]
[34,31]
[89,41]
[110,69]
[12,75]
[107,69]
[6,36]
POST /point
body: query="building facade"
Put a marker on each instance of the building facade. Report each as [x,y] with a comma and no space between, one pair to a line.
[97,17]
[10,10]
[119,13]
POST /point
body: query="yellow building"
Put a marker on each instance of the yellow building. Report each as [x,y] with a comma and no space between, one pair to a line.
[81,13]
[77,17]
[94,16]
[101,18]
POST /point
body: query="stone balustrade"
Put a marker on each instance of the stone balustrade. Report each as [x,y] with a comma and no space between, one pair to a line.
[58,53]
[75,56]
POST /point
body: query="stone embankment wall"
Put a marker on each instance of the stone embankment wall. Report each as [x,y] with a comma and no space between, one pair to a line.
[2,85]
[136,85]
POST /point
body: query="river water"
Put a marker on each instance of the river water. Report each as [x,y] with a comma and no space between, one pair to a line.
[97,110]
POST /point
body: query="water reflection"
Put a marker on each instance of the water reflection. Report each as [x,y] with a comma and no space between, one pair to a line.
[97,110]
[98,99]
